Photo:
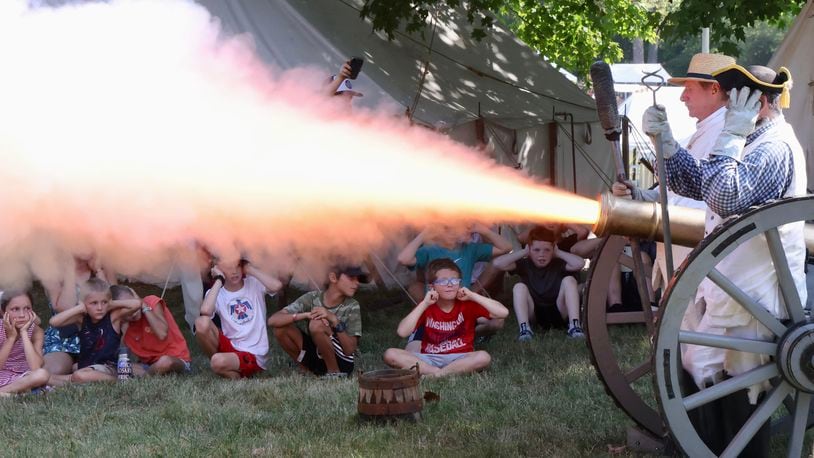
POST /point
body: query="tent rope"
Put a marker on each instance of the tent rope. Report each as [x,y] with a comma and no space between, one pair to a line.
[393,276]
[307,274]
[167,281]
[504,148]
[420,89]
[602,175]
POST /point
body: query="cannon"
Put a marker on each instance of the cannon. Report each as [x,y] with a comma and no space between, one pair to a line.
[658,403]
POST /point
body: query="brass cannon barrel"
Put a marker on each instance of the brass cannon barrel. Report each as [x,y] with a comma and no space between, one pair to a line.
[635,218]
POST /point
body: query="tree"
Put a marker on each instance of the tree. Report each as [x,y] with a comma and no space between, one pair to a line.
[574,33]
[759,44]
[571,33]
[728,20]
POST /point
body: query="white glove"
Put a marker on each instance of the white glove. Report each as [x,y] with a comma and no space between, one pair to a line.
[655,124]
[741,115]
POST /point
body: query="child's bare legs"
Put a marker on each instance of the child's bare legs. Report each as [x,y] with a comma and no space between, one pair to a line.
[404,359]
[206,334]
[30,380]
[168,364]
[321,335]
[290,339]
[568,306]
[59,366]
[90,375]
[488,327]
[568,299]
[224,364]
[473,362]
[58,363]
[523,306]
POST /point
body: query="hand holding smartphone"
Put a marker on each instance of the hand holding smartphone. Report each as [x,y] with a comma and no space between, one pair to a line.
[355,66]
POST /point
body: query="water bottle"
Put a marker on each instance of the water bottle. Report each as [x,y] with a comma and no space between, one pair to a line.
[123,368]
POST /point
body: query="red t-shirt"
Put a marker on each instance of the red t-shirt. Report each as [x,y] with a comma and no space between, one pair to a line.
[452,332]
[147,346]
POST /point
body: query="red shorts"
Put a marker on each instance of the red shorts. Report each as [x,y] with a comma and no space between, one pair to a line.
[248,362]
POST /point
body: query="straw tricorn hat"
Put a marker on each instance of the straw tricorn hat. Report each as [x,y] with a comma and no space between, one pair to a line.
[758,77]
[702,66]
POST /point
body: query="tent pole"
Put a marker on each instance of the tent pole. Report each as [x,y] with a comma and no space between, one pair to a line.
[552,152]
[566,115]
[626,144]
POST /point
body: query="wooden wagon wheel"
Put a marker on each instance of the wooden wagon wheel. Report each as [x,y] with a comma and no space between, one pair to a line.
[791,368]
[624,381]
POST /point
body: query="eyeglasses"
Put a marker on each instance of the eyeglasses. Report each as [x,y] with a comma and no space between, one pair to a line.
[447,282]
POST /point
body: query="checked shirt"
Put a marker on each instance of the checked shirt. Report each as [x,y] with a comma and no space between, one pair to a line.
[730,186]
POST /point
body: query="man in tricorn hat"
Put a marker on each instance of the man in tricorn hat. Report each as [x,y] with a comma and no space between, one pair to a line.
[755,159]
[705,101]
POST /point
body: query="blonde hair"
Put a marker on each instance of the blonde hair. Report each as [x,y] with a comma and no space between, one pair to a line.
[94,285]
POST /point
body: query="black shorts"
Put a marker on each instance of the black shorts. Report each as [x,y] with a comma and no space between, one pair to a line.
[549,316]
[313,361]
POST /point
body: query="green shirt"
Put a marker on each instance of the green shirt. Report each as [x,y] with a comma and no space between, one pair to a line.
[348,311]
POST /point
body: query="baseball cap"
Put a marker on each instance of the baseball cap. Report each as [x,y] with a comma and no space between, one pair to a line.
[346,86]
[352,271]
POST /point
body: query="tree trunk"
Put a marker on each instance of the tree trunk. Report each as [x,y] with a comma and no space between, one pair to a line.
[652,53]
[638,51]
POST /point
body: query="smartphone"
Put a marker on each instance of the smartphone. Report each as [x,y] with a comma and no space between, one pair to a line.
[355,66]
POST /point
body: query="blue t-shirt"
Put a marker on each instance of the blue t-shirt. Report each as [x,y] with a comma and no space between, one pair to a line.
[464,255]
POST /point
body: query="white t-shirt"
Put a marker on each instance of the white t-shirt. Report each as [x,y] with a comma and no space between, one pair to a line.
[243,318]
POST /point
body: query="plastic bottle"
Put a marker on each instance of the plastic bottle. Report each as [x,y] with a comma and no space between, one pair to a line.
[124,370]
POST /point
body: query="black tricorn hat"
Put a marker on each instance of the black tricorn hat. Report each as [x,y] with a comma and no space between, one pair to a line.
[758,77]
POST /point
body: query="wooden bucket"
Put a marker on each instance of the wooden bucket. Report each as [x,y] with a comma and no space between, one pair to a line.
[390,392]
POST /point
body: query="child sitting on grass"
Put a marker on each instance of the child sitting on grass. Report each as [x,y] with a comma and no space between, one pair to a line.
[321,330]
[238,297]
[449,314]
[546,290]
[99,334]
[151,334]
[20,345]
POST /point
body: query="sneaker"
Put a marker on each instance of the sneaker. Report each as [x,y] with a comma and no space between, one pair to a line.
[576,333]
[525,336]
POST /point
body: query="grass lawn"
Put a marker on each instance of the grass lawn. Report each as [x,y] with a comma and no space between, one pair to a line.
[537,399]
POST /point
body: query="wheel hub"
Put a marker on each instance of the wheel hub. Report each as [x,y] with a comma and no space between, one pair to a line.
[795,356]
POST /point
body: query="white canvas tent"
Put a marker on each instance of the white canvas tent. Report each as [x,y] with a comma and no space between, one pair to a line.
[796,55]
[628,77]
[497,91]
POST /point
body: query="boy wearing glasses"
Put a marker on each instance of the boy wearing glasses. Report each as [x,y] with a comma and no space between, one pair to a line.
[545,291]
[448,314]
